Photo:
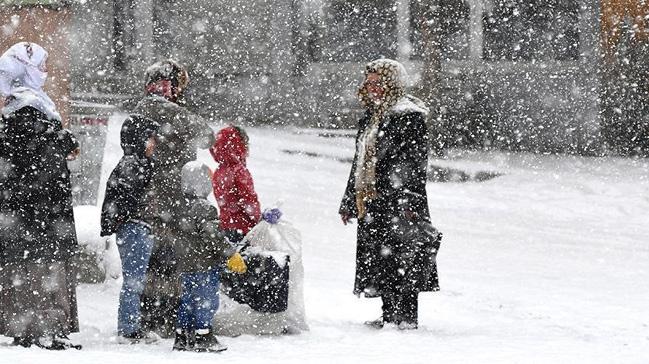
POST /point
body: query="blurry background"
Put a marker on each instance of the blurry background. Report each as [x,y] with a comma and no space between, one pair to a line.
[532,75]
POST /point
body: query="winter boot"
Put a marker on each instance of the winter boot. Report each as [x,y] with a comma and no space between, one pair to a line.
[64,342]
[137,337]
[404,325]
[207,342]
[49,342]
[184,340]
[25,342]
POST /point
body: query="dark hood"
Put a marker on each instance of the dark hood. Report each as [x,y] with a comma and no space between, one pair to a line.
[136,130]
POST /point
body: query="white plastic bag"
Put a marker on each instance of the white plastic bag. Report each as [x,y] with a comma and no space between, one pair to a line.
[234,319]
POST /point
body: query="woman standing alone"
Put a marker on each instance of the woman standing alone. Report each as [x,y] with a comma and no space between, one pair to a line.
[386,193]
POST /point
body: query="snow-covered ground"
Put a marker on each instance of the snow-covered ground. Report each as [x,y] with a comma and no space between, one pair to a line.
[547,263]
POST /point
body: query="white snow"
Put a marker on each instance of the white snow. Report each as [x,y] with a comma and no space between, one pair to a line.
[547,263]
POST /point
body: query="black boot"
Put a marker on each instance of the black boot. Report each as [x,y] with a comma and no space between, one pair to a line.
[389,307]
[49,342]
[25,342]
[63,341]
[184,340]
[207,342]
[408,307]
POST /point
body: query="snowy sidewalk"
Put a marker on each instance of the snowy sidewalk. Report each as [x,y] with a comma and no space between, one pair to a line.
[546,263]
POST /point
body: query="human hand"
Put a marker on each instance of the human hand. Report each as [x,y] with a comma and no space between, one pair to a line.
[74,154]
[236,264]
[410,215]
[346,218]
[271,216]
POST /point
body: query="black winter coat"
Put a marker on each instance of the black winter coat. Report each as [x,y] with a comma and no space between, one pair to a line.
[125,198]
[36,201]
[395,247]
[200,246]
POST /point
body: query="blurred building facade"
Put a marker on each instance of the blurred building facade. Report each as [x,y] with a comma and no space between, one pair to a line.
[512,74]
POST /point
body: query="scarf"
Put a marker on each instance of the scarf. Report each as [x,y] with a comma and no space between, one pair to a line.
[22,76]
[392,76]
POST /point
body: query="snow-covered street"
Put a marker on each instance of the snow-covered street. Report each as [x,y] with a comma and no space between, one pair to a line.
[546,263]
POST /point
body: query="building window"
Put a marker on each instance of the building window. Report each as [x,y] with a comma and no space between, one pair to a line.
[360,30]
[526,30]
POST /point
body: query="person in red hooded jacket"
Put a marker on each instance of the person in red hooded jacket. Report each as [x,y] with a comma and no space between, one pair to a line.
[232,183]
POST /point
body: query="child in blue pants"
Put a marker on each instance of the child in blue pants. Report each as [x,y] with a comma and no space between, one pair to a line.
[201,252]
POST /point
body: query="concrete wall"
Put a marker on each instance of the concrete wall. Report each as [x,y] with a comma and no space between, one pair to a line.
[48,27]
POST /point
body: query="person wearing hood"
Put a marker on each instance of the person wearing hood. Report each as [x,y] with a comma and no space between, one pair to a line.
[233,185]
[181,133]
[201,251]
[386,193]
[37,236]
[124,213]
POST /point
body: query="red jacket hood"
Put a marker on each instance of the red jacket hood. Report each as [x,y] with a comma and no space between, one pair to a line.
[229,147]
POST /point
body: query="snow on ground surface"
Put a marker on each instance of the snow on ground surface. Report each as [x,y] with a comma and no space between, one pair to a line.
[547,263]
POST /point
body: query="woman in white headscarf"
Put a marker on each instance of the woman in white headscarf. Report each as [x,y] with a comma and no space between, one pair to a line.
[37,233]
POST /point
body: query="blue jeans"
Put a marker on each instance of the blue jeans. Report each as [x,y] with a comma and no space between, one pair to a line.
[199,300]
[135,243]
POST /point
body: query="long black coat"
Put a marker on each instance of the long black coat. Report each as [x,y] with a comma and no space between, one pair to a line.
[36,204]
[394,252]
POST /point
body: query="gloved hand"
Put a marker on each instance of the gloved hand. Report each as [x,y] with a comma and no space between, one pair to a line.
[236,264]
[271,216]
[346,218]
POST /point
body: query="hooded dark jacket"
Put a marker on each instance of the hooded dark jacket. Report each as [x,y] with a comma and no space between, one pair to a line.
[125,198]
[200,245]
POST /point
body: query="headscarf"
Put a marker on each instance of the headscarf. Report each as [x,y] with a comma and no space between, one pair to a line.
[22,76]
[392,77]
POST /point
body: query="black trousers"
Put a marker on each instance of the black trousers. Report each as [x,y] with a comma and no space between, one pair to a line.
[400,307]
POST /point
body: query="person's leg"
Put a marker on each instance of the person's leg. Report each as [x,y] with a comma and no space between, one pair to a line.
[206,304]
[161,293]
[207,299]
[389,307]
[134,244]
[408,306]
[185,314]
[184,319]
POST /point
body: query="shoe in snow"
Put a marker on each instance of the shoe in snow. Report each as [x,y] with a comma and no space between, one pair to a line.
[403,325]
[375,324]
[25,342]
[65,342]
[207,342]
[137,337]
[48,343]
[184,340]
